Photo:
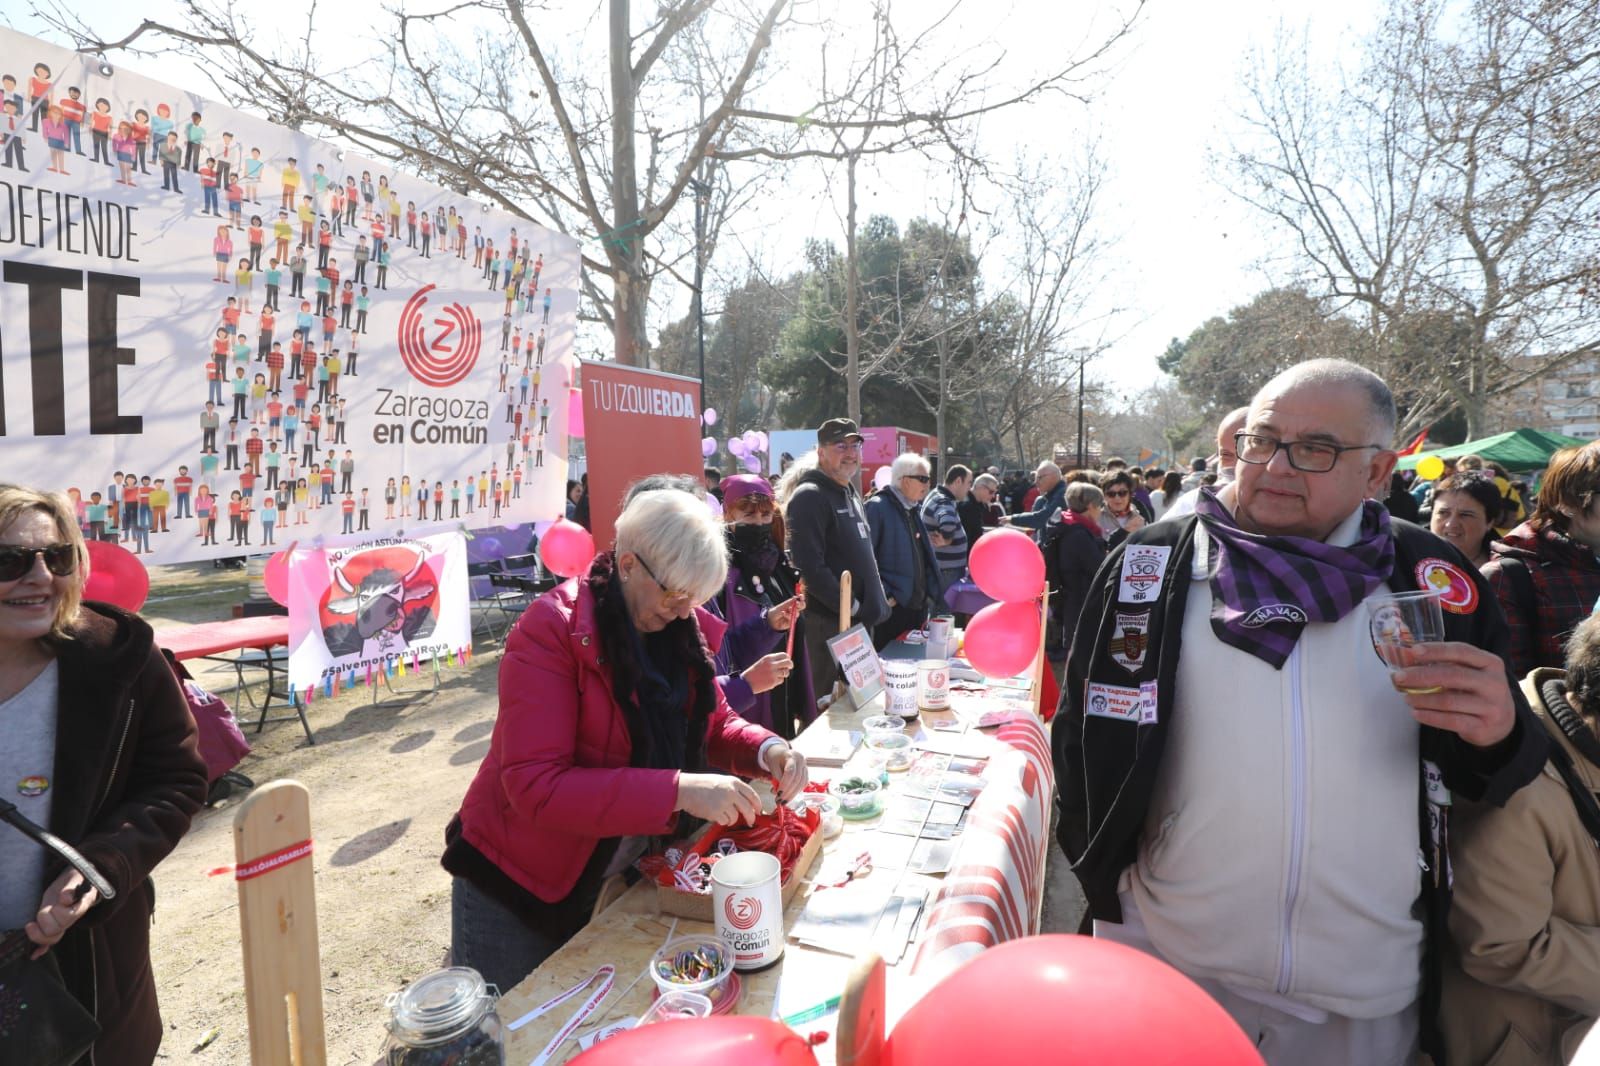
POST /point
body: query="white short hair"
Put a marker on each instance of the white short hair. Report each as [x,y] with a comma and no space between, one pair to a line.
[678,538]
[908,463]
[988,481]
[1047,467]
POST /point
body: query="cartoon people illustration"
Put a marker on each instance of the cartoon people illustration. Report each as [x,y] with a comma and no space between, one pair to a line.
[171,156]
[160,126]
[208,188]
[291,184]
[100,131]
[74,111]
[141,140]
[390,494]
[244,285]
[38,91]
[55,137]
[122,147]
[11,135]
[253,168]
[235,194]
[194,136]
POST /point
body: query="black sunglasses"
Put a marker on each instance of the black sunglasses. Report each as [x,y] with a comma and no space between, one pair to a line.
[924,478]
[15,560]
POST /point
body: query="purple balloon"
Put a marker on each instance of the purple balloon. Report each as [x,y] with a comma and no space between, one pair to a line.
[752,464]
[714,504]
[752,443]
[708,446]
[762,440]
[709,416]
[736,446]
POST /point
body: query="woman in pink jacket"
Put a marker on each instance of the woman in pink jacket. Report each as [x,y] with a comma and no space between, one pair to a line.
[610,721]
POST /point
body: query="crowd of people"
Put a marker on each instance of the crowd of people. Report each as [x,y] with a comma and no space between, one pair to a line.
[1360,859]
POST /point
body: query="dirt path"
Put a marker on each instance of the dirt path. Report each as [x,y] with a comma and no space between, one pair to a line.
[384,781]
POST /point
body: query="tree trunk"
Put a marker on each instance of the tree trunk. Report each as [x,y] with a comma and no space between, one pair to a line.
[624,246]
[852,279]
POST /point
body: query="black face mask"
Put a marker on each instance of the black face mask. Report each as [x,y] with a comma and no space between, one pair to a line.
[752,546]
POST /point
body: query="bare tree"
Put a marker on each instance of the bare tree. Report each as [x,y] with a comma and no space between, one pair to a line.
[1455,176]
[904,96]
[469,116]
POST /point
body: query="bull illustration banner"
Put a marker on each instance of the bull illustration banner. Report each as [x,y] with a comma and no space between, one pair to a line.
[357,612]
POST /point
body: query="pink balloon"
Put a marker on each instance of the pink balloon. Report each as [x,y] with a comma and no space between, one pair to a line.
[1125,1006]
[567,549]
[575,413]
[116,576]
[713,505]
[737,1038]
[752,463]
[735,446]
[1002,638]
[276,578]
[752,443]
[880,480]
[1008,565]
[708,446]
[762,440]
[709,416]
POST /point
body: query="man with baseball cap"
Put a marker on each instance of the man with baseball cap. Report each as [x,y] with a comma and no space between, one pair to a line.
[827,531]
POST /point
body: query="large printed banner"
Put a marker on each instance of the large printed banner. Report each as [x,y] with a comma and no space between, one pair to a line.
[220,335]
[357,612]
[636,422]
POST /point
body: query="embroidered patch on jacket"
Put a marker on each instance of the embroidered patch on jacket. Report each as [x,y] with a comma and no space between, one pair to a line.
[1268,613]
[1120,702]
[1457,592]
[1130,639]
[1143,569]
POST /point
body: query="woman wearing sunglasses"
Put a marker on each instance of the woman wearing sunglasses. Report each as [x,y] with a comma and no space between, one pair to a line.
[100,749]
[610,724]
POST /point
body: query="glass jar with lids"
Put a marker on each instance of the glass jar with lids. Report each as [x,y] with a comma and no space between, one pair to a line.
[445,1017]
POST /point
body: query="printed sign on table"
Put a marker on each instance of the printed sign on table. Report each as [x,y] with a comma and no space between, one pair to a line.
[222,335]
[357,611]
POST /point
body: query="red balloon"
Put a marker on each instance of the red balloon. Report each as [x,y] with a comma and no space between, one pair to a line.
[740,1038]
[1067,999]
[566,548]
[116,576]
[276,578]
[1008,565]
[1002,638]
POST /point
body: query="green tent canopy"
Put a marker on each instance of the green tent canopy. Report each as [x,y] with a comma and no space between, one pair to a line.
[1519,451]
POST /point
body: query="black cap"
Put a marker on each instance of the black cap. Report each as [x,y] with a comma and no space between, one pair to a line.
[835,430]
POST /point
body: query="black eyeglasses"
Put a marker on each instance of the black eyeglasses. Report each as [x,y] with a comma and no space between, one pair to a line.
[671,595]
[1306,456]
[15,560]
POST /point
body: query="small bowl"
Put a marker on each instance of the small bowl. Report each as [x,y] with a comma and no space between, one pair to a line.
[892,751]
[881,724]
[865,799]
[708,986]
[827,808]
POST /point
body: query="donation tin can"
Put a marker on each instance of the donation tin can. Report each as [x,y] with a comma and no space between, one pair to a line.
[747,901]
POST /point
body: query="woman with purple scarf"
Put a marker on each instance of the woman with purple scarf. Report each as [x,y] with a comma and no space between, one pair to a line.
[760,681]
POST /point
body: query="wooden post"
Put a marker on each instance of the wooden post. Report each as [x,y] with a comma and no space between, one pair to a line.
[861,1014]
[278,926]
[845,596]
[1040,662]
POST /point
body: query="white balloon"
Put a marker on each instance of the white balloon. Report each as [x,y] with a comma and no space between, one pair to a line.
[880,480]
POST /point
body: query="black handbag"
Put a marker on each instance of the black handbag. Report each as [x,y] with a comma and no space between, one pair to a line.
[41,1022]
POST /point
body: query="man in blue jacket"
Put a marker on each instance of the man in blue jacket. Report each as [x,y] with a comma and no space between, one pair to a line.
[1052,494]
[900,543]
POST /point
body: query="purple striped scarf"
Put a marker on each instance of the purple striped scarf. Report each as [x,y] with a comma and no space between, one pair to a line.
[1266,589]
